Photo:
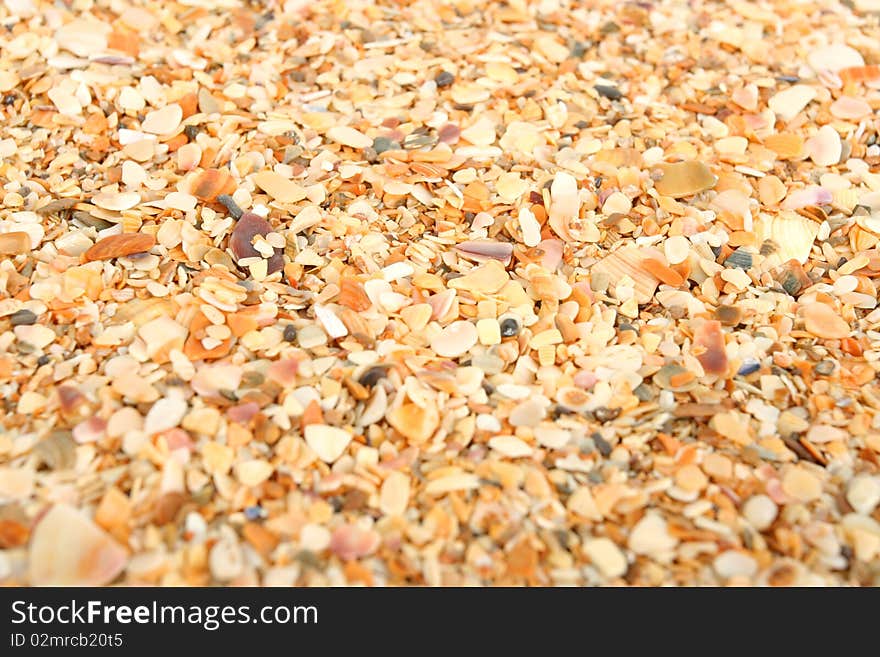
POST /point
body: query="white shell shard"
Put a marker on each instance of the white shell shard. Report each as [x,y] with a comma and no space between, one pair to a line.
[327,442]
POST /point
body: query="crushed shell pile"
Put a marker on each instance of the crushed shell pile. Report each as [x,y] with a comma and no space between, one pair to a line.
[439,292]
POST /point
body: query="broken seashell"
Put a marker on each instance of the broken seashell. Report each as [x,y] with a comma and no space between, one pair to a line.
[68,549]
[709,337]
[116,246]
[240,242]
[825,147]
[792,233]
[806,197]
[415,423]
[686,178]
[628,261]
[483,250]
[116,202]
[210,183]
[329,443]
[824,322]
[350,542]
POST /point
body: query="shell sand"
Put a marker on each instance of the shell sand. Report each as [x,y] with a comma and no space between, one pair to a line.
[439,293]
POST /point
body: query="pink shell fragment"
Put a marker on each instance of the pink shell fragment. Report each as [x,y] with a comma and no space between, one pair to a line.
[807,197]
[482,250]
[350,542]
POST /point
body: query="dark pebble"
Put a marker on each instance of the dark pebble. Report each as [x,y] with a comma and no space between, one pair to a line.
[8,99]
[372,376]
[22,317]
[595,477]
[509,327]
[289,333]
[191,132]
[604,414]
[43,360]
[612,93]
[382,144]
[253,512]
[602,445]
[643,392]
[230,204]
[788,78]
[558,411]
[444,79]
[579,49]
[749,367]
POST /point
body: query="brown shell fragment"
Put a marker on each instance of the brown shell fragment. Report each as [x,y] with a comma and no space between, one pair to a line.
[709,338]
[210,183]
[352,294]
[245,230]
[117,246]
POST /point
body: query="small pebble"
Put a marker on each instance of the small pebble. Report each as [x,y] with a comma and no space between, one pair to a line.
[613,93]
[509,327]
[22,317]
[444,79]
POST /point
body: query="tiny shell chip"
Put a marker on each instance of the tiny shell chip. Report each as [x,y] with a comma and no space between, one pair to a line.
[521,137]
[823,322]
[348,136]
[629,261]
[455,340]
[834,57]
[417,424]
[116,202]
[327,442]
[469,93]
[394,494]
[207,185]
[792,233]
[15,243]
[676,249]
[684,179]
[488,278]
[116,246]
[709,337]
[350,542]
[247,227]
[83,36]
[68,549]
[564,202]
[850,109]
[788,103]
[278,187]
[825,147]
[746,97]
[482,250]
[163,121]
